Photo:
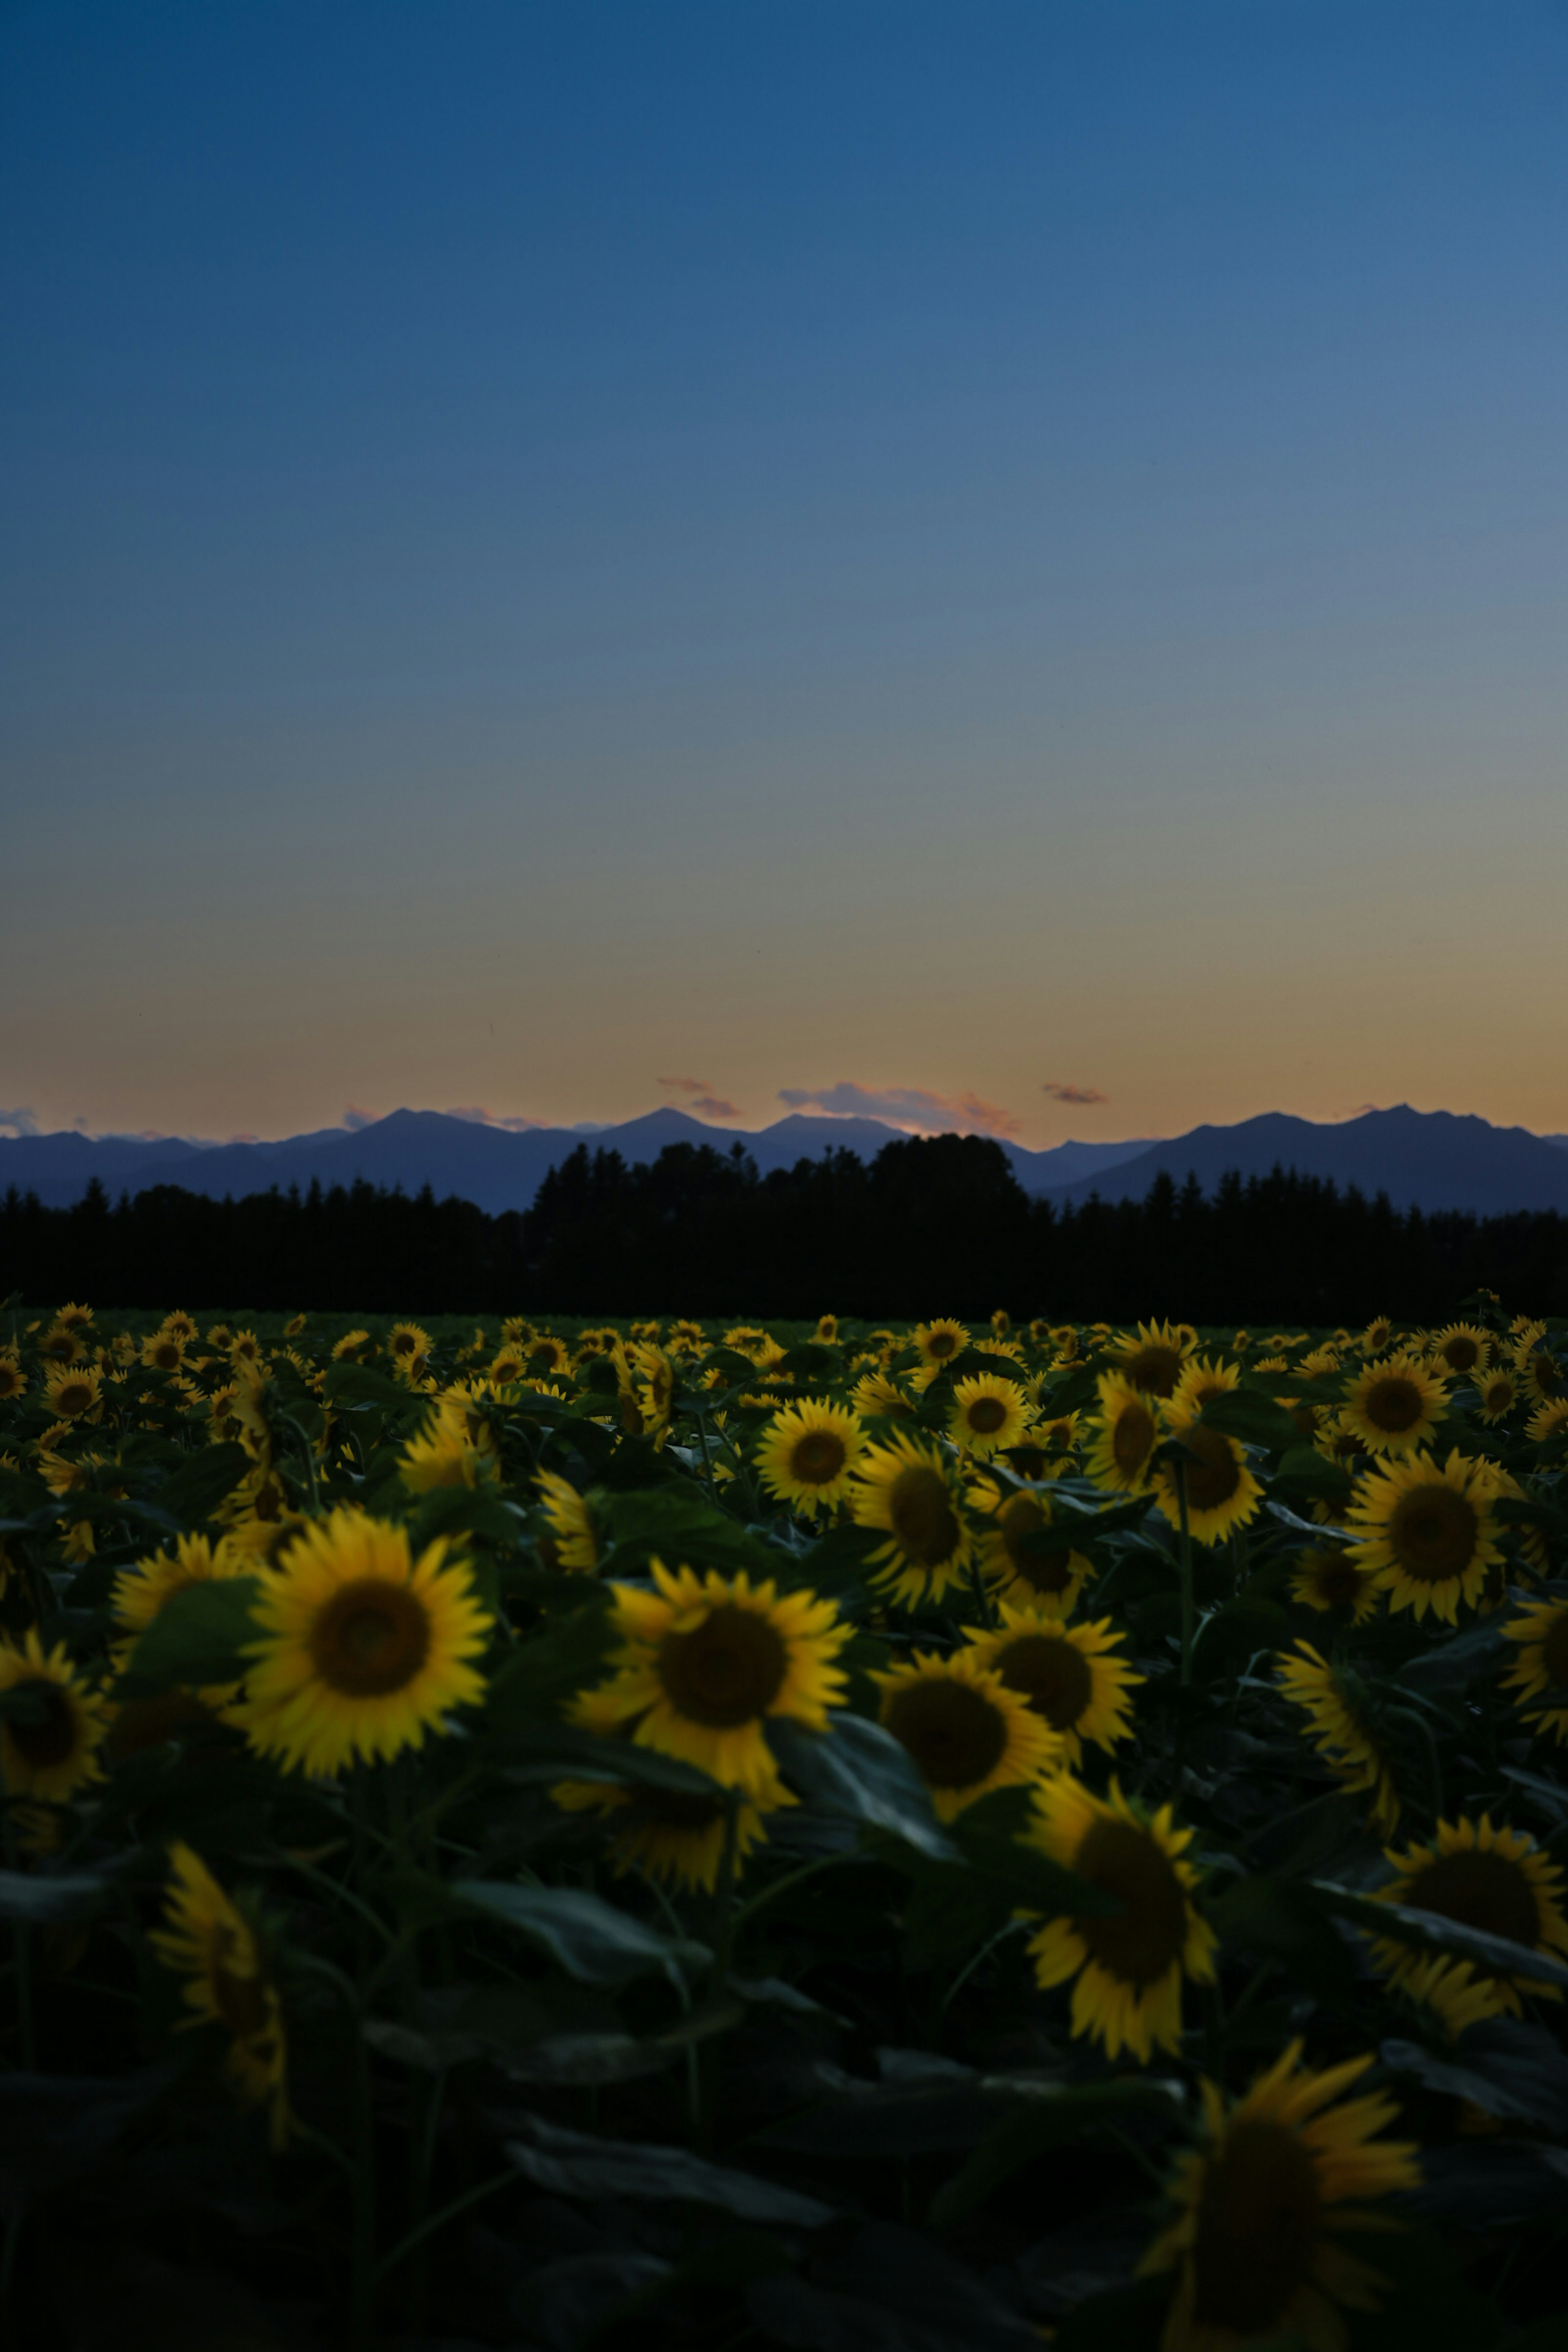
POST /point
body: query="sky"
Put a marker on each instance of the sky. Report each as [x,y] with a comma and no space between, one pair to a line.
[1005,563]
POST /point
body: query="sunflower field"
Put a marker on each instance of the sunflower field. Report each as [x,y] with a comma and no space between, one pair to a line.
[896,1840]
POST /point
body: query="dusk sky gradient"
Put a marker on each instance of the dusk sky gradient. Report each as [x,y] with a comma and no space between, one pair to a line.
[553,550]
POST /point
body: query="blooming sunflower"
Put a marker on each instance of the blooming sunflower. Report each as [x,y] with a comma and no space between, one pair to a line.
[1204,1378]
[1377,1334]
[1497,1392]
[74,1391]
[1221,1491]
[908,1488]
[1125,1432]
[827,1331]
[1494,1879]
[1331,1580]
[163,1353]
[1129,1965]
[1156,1357]
[1392,1406]
[1260,2205]
[507,1365]
[938,1343]
[12,1379]
[49,1744]
[808,1454]
[573,1541]
[1340,1731]
[675,1835]
[142,1592]
[1541,1373]
[1428,1531]
[363,1649]
[1462,1349]
[406,1340]
[1542,1633]
[61,1347]
[707,1660]
[965,1731]
[988,1413]
[1049,1580]
[1548,1421]
[452,1448]
[209,1940]
[1064,1673]
[877,1394]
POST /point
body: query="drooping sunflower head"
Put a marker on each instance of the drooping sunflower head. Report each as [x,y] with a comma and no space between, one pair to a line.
[1548,1425]
[452,1448]
[708,1660]
[1393,1406]
[1222,1493]
[940,1342]
[1496,1879]
[572,1542]
[913,1492]
[1067,1674]
[363,1649]
[351,1344]
[878,1396]
[988,1413]
[1377,1334]
[1539,1672]
[1331,1581]
[54,1723]
[1127,1965]
[1260,2203]
[808,1454]
[1341,1728]
[1156,1356]
[1123,1436]
[211,1942]
[74,1391]
[12,1379]
[1540,1374]
[965,1730]
[1428,1531]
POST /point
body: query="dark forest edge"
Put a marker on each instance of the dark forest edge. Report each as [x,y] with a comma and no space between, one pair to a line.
[702,1231]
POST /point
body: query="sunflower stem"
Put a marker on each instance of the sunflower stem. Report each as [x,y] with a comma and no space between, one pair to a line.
[724,1946]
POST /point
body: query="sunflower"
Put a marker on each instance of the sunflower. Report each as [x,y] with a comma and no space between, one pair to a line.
[1540,1372]
[707,1661]
[1048,1580]
[907,1487]
[1204,1377]
[1428,1531]
[364,1648]
[1461,1350]
[1129,1965]
[142,1592]
[1331,1580]
[547,1355]
[808,1453]
[1542,1633]
[878,1396]
[988,1413]
[406,1340]
[208,1939]
[826,1331]
[1497,1392]
[61,1347]
[74,1391]
[507,1365]
[1494,1879]
[572,1544]
[12,1379]
[1126,1429]
[349,1345]
[1155,1359]
[965,1730]
[1376,1336]
[1548,1421]
[163,1353]
[1340,1731]
[1064,1674]
[449,1450]
[675,1835]
[1394,1405]
[1254,2239]
[244,1348]
[938,1343]
[49,1744]
[1221,1491]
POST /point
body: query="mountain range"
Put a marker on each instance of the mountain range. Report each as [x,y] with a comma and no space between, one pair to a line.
[1431,1160]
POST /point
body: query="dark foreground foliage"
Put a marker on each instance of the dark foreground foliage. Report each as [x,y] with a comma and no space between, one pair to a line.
[699,1231]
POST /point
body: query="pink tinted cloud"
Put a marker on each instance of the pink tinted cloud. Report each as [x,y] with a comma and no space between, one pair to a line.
[477,1116]
[1061,1090]
[704,1102]
[911,1106]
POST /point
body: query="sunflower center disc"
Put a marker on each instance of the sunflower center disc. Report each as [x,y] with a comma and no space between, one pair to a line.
[1156,1368]
[1030,1461]
[922,1516]
[1214,1476]
[44,1734]
[1132,1439]
[1257,2224]
[987,1415]
[818,1458]
[1394,1405]
[1461,1354]
[1432,1534]
[1336,1579]
[1021,1515]
[1479,1890]
[1147,1937]
[954,1733]
[1051,1673]
[370,1638]
[727,1671]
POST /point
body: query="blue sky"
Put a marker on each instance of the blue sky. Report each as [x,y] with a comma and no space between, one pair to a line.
[942,549]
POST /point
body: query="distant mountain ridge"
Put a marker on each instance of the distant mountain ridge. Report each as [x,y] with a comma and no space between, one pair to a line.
[1430,1159]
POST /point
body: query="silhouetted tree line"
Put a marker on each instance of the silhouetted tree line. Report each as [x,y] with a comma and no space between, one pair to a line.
[937,1225]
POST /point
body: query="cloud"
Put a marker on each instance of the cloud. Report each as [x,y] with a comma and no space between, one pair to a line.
[911,1107]
[353,1119]
[686,1085]
[1062,1092]
[18,1122]
[715,1107]
[477,1116]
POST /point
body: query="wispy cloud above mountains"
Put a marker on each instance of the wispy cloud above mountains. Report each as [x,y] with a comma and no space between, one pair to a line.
[911,1106]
